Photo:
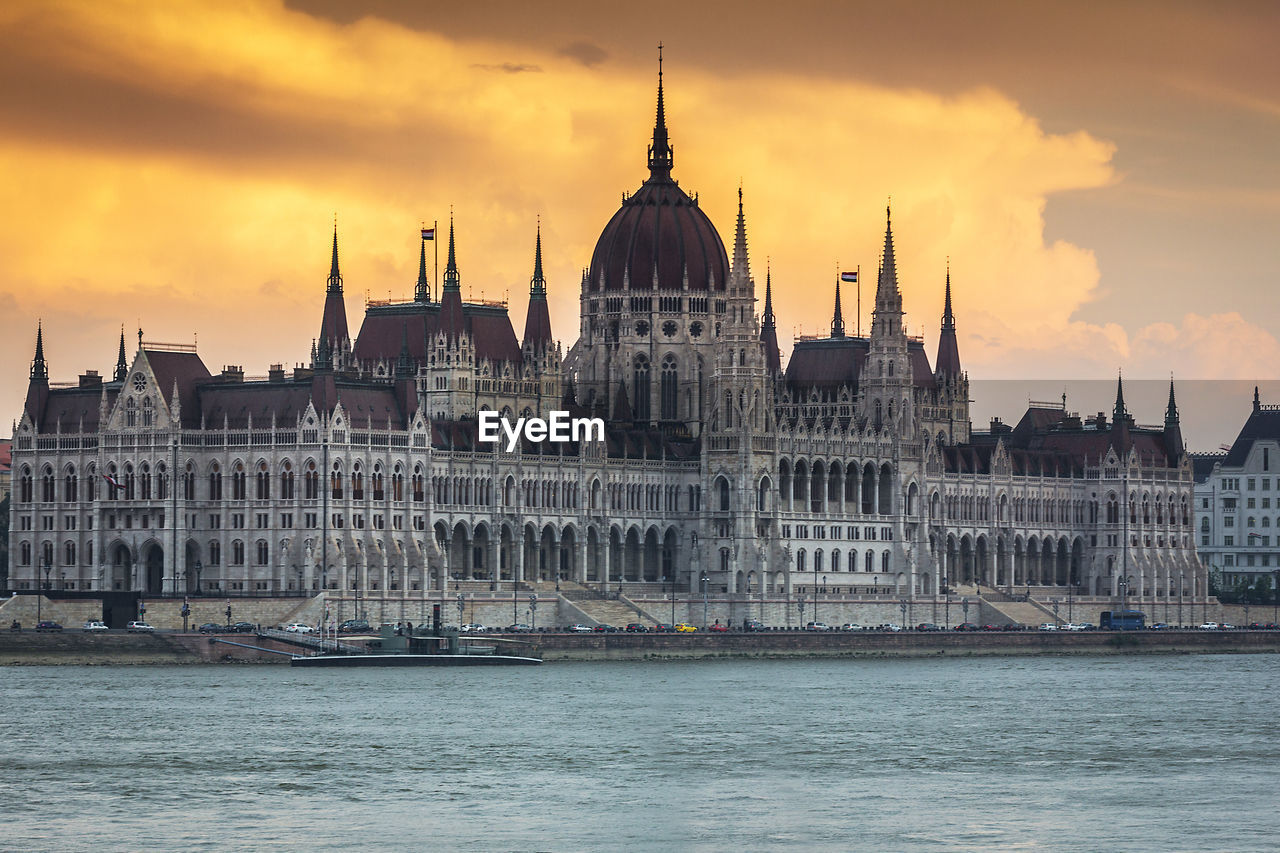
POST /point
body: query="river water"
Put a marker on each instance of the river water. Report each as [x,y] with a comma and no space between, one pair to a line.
[1049,753]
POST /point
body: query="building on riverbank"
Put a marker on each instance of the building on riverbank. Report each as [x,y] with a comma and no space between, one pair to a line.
[723,471]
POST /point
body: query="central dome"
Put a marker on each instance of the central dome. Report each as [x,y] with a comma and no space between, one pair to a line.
[659,235]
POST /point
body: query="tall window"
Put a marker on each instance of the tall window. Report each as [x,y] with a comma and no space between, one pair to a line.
[215,483]
[70,489]
[148,412]
[131,412]
[286,482]
[640,383]
[237,553]
[264,482]
[311,483]
[668,390]
[238,482]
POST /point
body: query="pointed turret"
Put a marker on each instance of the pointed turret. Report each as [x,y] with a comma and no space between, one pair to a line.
[837,318]
[660,153]
[451,320]
[1172,430]
[1120,421]
[741,271]
[769,327]
[38,387]
[1257,402]
[333,324]
[948,362]
[887,317]
[422,290]
[122,366]
[537,323]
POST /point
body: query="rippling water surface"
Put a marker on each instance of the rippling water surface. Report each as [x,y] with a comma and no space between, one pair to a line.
[1139,753]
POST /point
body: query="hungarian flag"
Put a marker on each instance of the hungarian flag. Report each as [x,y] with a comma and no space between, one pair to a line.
[428,233]
[111,481]
[849,276]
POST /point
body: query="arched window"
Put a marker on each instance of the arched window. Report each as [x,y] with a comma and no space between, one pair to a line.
[263,552]
[144,481]
[70,491]
[25,489]
[397,485]
[189,483]
[215,553]
[375,480]
[131,412]
[237,553]
[357,483]
[286,482]
[640,387]
[311,482]
[670,383]
[238,483]
[335,482]
[884,562]
[148,412]
[723,488]
[263,484]
[46,486]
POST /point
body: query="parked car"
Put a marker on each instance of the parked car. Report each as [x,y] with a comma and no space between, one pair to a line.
[354,626]
[1226,626]
[753,625]
[139,628]
[965,626]
[1209,626]
[299,628]
[1072,626]
[518,628]
[990,626]
[893,626]
[211,628]
[636,628]
[663,628]
[1048,626]
[817,626]
[245,628]
[928,626]
[472,628]
[1157,626]
[577,629]
[685,628]
[719,629]
[48,625]
[851,626]
[1086,626]
[94,626]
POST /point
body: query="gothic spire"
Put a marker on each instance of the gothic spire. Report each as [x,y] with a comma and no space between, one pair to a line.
[948,361]
[422,291]
[1257,401]
[837,319]
[887,315]
[537,323]
[452,281]
[660,153]
[1171,410]
[769,320]
[335,277]
[948,318]
[538,284]
[1118,413]
[1173,445]
[122,366]
[39,367]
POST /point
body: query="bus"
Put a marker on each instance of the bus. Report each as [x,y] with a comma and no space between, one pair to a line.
[1122,620]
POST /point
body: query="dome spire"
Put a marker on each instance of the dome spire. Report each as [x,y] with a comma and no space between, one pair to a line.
[660,154]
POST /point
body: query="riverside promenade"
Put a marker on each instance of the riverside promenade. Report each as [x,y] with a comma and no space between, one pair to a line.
[119,648]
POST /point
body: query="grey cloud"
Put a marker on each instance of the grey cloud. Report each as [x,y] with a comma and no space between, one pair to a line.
[585,52]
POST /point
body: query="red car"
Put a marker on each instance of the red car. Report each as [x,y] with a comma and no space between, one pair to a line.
[719,629]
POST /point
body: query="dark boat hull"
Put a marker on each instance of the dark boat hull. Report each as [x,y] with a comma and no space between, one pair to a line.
[414,660]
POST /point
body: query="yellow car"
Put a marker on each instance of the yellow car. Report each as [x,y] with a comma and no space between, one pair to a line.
[682,628]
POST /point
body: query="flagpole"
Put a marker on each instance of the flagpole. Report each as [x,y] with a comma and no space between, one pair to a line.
[859,275]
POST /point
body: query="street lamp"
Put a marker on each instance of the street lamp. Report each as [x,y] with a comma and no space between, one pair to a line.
[461,606]
[964,605]
[48,567]
[186,615]
[533,611]
[947,621]
[199,569]
[1275,597]
[228,613]
[902,608]
[1055,602]
[704,580]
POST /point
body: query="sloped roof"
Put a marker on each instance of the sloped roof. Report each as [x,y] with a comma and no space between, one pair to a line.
[386,328]
[185,368]
[1263,425]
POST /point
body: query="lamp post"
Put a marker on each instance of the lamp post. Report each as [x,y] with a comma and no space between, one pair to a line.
[142,610]
[186,615]
[47,567]
[461,606]
[228,613]
[964,605]
[800,607]
[1180,582]
[704,580]
[533,611]
[902,608]
[665,581]
[1055,602]
[947,621]
[199,569]
[1275,597]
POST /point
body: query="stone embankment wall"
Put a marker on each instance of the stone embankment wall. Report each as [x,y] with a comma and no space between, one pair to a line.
[76,648]
[164,613]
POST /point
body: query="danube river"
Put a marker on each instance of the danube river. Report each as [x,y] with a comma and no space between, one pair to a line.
[1057,753]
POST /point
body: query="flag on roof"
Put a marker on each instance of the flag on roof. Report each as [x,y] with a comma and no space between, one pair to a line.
[848,276]
[428,233]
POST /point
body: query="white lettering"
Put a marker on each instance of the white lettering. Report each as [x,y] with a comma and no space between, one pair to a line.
[558,427]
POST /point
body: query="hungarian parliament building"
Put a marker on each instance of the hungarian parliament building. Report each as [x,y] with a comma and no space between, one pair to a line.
[721,468]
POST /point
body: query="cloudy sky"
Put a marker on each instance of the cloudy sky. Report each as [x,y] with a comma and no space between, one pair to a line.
[1103,177]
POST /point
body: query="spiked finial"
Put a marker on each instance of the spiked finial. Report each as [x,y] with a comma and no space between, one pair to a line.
[39,367]
[422,291]
[741,265]
[1257,401]
[122,366]
[660,154]
[335,277]
[538,284]
[1118,414]
[452,281]
[1171,410]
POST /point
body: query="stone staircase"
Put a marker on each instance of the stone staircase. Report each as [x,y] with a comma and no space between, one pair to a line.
[1030,612]
[594,607]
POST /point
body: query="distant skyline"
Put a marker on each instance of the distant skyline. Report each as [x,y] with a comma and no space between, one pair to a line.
[1103,179]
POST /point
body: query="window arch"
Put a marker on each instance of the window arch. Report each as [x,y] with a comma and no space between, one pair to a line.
[640,387]
[668,391]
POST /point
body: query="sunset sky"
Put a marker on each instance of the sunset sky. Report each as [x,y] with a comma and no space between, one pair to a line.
[1103,177]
